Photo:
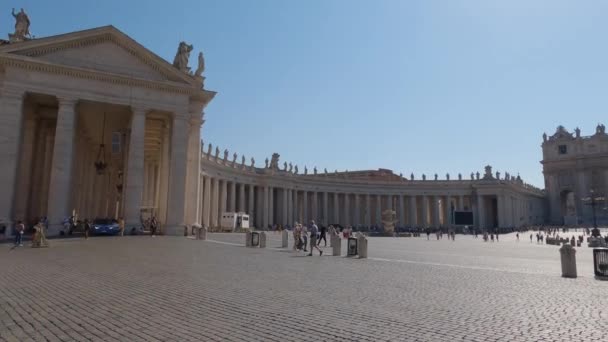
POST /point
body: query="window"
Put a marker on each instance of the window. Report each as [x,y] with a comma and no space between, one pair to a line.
[116,142]
[562,149]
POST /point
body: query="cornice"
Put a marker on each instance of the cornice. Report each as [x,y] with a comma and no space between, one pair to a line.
[27,63]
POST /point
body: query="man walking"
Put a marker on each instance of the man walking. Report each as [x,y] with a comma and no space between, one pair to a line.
[323,234]
[19,230]
[314,230]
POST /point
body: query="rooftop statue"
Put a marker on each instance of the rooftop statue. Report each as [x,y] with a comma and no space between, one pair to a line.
[266,166]
[274,161]
[181,57]
[217,152]
[460,176]
[577,131]
[252,162]
[284,166]
[290,167]
[22,27]
[305,170]
[296,170]
[226,154]
[201,65]
[412,176]
[242,160]
[314,170]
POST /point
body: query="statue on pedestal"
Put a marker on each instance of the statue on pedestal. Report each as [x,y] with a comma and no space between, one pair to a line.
[252,162]
[577,131]
[472,176]
[423,177]
[217,152]
[266,162]
[497,175]
[226,154]
[209,151]
[436,177]
[290,167]
[477,175]
[234,158]
[447,176]
[412,176]
[284,166]
[243,160]
[314,170]
[544,137]
[460,176]
[389,218]
[181,57]
[295,171]
[305,170]
[325,170]
[22,27]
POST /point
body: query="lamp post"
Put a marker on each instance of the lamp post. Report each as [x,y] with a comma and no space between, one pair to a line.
[593,202]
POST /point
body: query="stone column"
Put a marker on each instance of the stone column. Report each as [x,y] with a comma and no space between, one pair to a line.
[60,186]
[480,213]
[347,218]
[232,203]
[368,211]
[251,207]
[241,198]
[461,202]
[223,199]
[436,211]
[357,220]
[448,211]
[413,211]
[326,218]
[378,210]
[265,208]
[207,202]
[401,211]
[271,220]
[425,212]
[501,210]
[215,202]
[305,219]
[315,207]
[296,209]
[284,206]
[165,159]
[177,181]
[289,196]
[336,209]
[25,167]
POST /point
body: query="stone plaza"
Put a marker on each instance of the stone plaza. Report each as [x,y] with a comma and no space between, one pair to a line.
[409,289]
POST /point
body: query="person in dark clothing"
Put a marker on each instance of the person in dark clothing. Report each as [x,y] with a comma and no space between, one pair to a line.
[87,228]
[153,226]
[323,235]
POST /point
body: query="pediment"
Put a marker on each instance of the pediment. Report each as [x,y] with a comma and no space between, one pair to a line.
[104,50]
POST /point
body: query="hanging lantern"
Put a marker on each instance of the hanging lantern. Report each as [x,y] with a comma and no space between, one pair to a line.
[100,163]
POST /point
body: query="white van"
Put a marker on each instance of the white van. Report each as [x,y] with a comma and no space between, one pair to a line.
[231,221]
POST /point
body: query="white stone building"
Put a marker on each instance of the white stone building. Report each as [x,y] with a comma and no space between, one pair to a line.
[575,169]
[93,123]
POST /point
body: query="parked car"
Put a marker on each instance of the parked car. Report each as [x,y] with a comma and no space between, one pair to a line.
[101,226]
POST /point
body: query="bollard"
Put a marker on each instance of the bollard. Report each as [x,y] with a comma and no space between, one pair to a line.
[263,240]
[248,239]
[362,246]
[284,239]
[336,245]
[202,233]
[568,258]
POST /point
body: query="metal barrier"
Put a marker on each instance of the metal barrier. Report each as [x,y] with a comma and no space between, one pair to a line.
[600,263]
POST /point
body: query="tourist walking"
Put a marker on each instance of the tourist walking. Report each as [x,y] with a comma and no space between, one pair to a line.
[323,235]
[153,226]
[304,236]
[517,236]
[19,230]
[121,224]
[87,228]
[314,230]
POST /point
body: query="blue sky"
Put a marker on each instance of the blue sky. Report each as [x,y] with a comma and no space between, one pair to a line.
[422,86]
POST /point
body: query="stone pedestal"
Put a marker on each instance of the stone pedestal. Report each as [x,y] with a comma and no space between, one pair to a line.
[203,233]
[284,239]
[248,239]
[362,247]
[262,240]
[336,245]
[568,259]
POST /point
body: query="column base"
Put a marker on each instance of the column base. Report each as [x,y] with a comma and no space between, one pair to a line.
[175,230]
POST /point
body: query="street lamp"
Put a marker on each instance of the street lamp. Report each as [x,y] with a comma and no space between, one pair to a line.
[593,202]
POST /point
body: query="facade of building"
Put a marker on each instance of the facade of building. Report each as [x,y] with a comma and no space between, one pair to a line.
[576,176]
[94,124]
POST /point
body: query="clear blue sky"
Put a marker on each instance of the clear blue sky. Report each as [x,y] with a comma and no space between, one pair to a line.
[422,86]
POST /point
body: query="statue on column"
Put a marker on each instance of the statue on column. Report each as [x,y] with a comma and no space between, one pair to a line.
[252,162]
[477,175]
[447,176]
[472,176]
[22,27]
[412,176]
[460,176]
[226,154]
[284,166]
[181,57]
[243,160]
[577,131]
[209,151]
[295,171]
[423,177]
[436,177]
[217,152]
[234,156]
[325,170]
[290,167]
[314,170]
[544,137]
[305,170]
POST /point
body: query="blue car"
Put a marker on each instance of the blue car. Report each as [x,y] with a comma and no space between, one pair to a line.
[104,227]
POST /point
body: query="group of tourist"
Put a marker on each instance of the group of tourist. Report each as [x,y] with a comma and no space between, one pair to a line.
[301,237]
[38,238]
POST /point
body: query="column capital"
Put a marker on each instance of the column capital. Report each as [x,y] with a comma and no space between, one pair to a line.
[139,110]
[66,102]
[13,94]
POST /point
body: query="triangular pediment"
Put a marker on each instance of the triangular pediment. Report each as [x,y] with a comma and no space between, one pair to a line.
[104,49]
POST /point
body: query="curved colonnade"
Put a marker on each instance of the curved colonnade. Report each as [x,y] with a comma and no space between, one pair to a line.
[274,196]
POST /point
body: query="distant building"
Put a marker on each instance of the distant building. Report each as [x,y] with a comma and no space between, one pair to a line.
[575,169]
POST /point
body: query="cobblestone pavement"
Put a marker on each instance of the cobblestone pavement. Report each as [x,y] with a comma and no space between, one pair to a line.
[179,289]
